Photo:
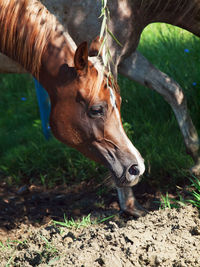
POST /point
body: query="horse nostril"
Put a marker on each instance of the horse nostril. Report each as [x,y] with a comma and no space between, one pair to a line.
[133,170]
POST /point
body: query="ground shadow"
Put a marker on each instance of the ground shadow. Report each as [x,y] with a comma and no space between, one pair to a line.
[37,205]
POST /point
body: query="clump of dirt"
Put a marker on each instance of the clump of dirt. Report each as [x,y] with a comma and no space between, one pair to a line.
[162,238]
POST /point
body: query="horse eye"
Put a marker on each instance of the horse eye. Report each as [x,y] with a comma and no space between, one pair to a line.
[96,111]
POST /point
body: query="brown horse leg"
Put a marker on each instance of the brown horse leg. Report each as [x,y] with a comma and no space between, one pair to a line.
[138,68]
[128,203]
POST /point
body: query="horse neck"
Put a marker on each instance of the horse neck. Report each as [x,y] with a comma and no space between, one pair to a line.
[181,13]
[30,35]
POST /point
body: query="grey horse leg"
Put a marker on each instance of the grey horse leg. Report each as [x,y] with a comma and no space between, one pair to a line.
[128,203]
[138,68]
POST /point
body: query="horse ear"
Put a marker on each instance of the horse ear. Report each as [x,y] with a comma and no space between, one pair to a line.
[95,47]
[81,57]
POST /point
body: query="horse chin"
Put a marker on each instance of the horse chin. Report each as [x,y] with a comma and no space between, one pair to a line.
[122,181]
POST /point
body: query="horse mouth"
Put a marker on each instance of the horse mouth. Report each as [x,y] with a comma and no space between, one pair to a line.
[123,182]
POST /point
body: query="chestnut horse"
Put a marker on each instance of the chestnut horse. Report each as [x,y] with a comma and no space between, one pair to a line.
[85,105]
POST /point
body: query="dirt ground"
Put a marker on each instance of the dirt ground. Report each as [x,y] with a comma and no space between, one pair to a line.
[28,237]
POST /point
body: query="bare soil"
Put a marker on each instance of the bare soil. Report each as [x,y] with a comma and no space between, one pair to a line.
[28,236]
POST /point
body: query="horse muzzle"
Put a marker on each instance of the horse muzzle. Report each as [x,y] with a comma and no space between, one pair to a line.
[130,177]
[126,167]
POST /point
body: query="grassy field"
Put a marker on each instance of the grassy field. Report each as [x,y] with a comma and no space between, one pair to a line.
[25,155]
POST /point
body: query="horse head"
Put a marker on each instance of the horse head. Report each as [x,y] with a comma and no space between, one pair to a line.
[85,114]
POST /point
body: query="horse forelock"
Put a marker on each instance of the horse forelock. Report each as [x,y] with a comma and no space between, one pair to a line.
[97,63]
[25,28]
[102,75]
[94,90]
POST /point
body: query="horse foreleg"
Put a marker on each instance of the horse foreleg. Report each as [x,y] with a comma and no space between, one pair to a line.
[128,203]
[138,68]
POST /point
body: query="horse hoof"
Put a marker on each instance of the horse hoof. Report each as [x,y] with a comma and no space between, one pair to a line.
[195,170]
[136,211]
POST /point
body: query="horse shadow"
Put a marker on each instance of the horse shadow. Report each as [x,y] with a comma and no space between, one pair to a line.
[37,205]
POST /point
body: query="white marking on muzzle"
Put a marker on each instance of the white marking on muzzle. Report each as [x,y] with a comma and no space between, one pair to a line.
[136,153]
[130,146]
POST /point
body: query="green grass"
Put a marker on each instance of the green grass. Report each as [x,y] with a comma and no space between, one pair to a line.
[170,203]
[195,193]
[25,155]
[86,221]
[71,223]
[193,197]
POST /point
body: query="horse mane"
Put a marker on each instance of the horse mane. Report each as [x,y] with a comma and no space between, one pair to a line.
[26,26]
